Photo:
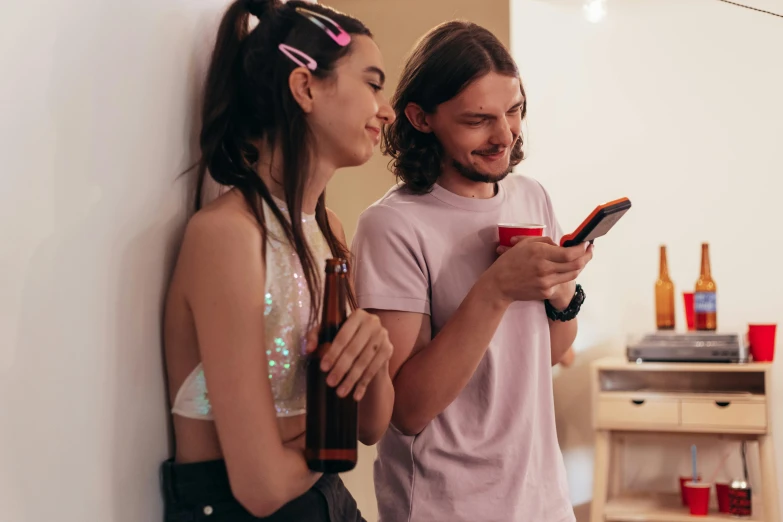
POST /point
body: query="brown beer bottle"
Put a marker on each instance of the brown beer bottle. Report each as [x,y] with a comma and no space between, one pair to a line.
[664,296]
[331,421]
[705,297]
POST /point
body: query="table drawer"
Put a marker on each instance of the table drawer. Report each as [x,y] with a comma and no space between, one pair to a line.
[724,414]
[629,412]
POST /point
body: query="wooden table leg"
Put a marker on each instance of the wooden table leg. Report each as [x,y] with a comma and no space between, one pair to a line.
[603,440]
[769,483]
[616,467]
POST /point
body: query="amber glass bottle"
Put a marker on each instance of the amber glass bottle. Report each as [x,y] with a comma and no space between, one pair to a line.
[331,421]
[664,296]
[705,307]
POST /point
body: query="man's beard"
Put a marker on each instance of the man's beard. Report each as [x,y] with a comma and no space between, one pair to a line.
[470,173]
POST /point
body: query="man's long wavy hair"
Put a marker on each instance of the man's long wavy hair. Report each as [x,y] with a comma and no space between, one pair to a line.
[444,62]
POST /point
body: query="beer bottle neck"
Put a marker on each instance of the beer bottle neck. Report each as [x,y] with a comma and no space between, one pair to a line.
[664,270]
[334,307]
[705,262]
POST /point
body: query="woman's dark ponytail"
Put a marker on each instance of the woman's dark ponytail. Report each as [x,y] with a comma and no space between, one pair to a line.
[247,100]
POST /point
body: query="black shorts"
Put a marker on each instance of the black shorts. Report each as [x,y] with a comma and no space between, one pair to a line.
[201,492]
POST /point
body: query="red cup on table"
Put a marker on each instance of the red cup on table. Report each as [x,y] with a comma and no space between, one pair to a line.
[508,230]
[683,489]
[698,494]
[761,338]
[722,492]
[687,298]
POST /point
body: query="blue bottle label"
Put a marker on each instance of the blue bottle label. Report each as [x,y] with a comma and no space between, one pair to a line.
[705,302]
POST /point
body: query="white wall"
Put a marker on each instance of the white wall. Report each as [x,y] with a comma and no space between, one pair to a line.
[98,106]
[677,105]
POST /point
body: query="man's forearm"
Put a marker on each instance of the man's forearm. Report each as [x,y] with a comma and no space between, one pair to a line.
[375,408]
[562,334]
[433,377]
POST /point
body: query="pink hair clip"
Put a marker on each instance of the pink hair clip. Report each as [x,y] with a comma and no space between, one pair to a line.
[293,52]
[340,37]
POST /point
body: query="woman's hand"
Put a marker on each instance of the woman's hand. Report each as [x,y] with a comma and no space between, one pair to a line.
[360,350]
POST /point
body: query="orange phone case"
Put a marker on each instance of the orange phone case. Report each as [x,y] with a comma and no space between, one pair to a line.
[598,222]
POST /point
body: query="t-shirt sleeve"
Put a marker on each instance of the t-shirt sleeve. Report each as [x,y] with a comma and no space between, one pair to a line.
[553,226]
[390,271]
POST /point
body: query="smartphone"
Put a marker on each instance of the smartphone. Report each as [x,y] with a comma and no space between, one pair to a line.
[598,223]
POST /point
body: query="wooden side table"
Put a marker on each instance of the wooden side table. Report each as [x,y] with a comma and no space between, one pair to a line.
[720,399]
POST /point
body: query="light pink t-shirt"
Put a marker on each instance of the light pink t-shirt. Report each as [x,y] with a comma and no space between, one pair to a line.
[492,454]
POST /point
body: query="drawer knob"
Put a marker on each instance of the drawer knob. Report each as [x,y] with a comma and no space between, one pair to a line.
[638,402]
[722,404]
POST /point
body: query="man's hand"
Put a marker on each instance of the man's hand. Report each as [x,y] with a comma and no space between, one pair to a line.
[535,268]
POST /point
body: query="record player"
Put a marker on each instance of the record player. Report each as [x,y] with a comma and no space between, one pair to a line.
[701,347]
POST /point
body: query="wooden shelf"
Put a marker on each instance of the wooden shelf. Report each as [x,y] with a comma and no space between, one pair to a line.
[653,394]
[722,400]
[659,508]
[616,363]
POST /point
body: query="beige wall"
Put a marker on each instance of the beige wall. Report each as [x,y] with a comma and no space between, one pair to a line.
[397,26]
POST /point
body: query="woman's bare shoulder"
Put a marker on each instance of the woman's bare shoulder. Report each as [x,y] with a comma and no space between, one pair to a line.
[228,214]
[224,235]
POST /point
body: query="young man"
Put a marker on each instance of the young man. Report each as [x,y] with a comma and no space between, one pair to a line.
[473,430]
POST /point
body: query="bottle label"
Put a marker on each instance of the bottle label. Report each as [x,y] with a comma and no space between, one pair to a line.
[705,302]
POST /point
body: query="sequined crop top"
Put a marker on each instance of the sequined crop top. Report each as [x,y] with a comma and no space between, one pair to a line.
[286,315]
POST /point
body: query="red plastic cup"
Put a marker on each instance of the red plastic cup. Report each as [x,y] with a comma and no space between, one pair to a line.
[508,230]
[761,338]
[698,497]
[722,492]
[689,318]
[683,489]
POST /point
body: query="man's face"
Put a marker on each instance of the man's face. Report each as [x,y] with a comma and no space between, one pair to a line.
[479,127]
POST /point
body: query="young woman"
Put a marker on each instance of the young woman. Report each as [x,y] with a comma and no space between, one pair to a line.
[293,93]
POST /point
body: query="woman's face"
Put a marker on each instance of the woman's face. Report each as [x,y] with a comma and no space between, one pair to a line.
[349,108]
